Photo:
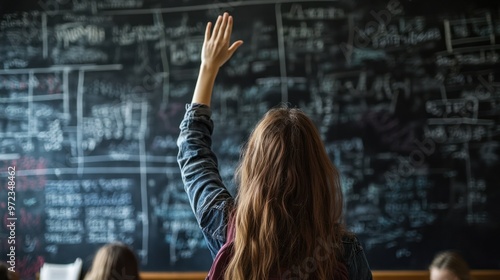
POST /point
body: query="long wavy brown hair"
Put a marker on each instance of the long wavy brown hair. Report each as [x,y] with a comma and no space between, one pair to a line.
[288,216]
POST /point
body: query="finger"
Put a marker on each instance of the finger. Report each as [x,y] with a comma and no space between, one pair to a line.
[215,31]
[222,27]
[229,28]
[207,31]
[234,47]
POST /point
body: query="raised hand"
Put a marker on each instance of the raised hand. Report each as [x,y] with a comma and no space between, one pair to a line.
[216,50]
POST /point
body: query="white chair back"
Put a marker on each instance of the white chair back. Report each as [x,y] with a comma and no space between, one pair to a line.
[51,271]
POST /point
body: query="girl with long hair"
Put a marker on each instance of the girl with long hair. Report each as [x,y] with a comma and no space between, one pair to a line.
[114,261]
[286,220]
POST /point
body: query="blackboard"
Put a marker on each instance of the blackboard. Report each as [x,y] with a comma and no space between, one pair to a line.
[404,93]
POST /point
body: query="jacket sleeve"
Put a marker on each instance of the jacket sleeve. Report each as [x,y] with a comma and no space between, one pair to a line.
[209,198]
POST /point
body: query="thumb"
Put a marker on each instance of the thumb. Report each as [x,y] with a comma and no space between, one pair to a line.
[234,47]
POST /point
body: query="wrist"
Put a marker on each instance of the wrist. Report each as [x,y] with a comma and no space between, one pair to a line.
[209,68]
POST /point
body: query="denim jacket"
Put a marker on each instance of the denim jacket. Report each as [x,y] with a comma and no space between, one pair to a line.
[209,198]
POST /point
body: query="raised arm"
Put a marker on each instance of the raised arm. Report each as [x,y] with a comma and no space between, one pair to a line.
[215,52]
[210,200]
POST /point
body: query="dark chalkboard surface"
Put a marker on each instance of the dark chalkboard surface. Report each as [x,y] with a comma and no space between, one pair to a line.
[405,93]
